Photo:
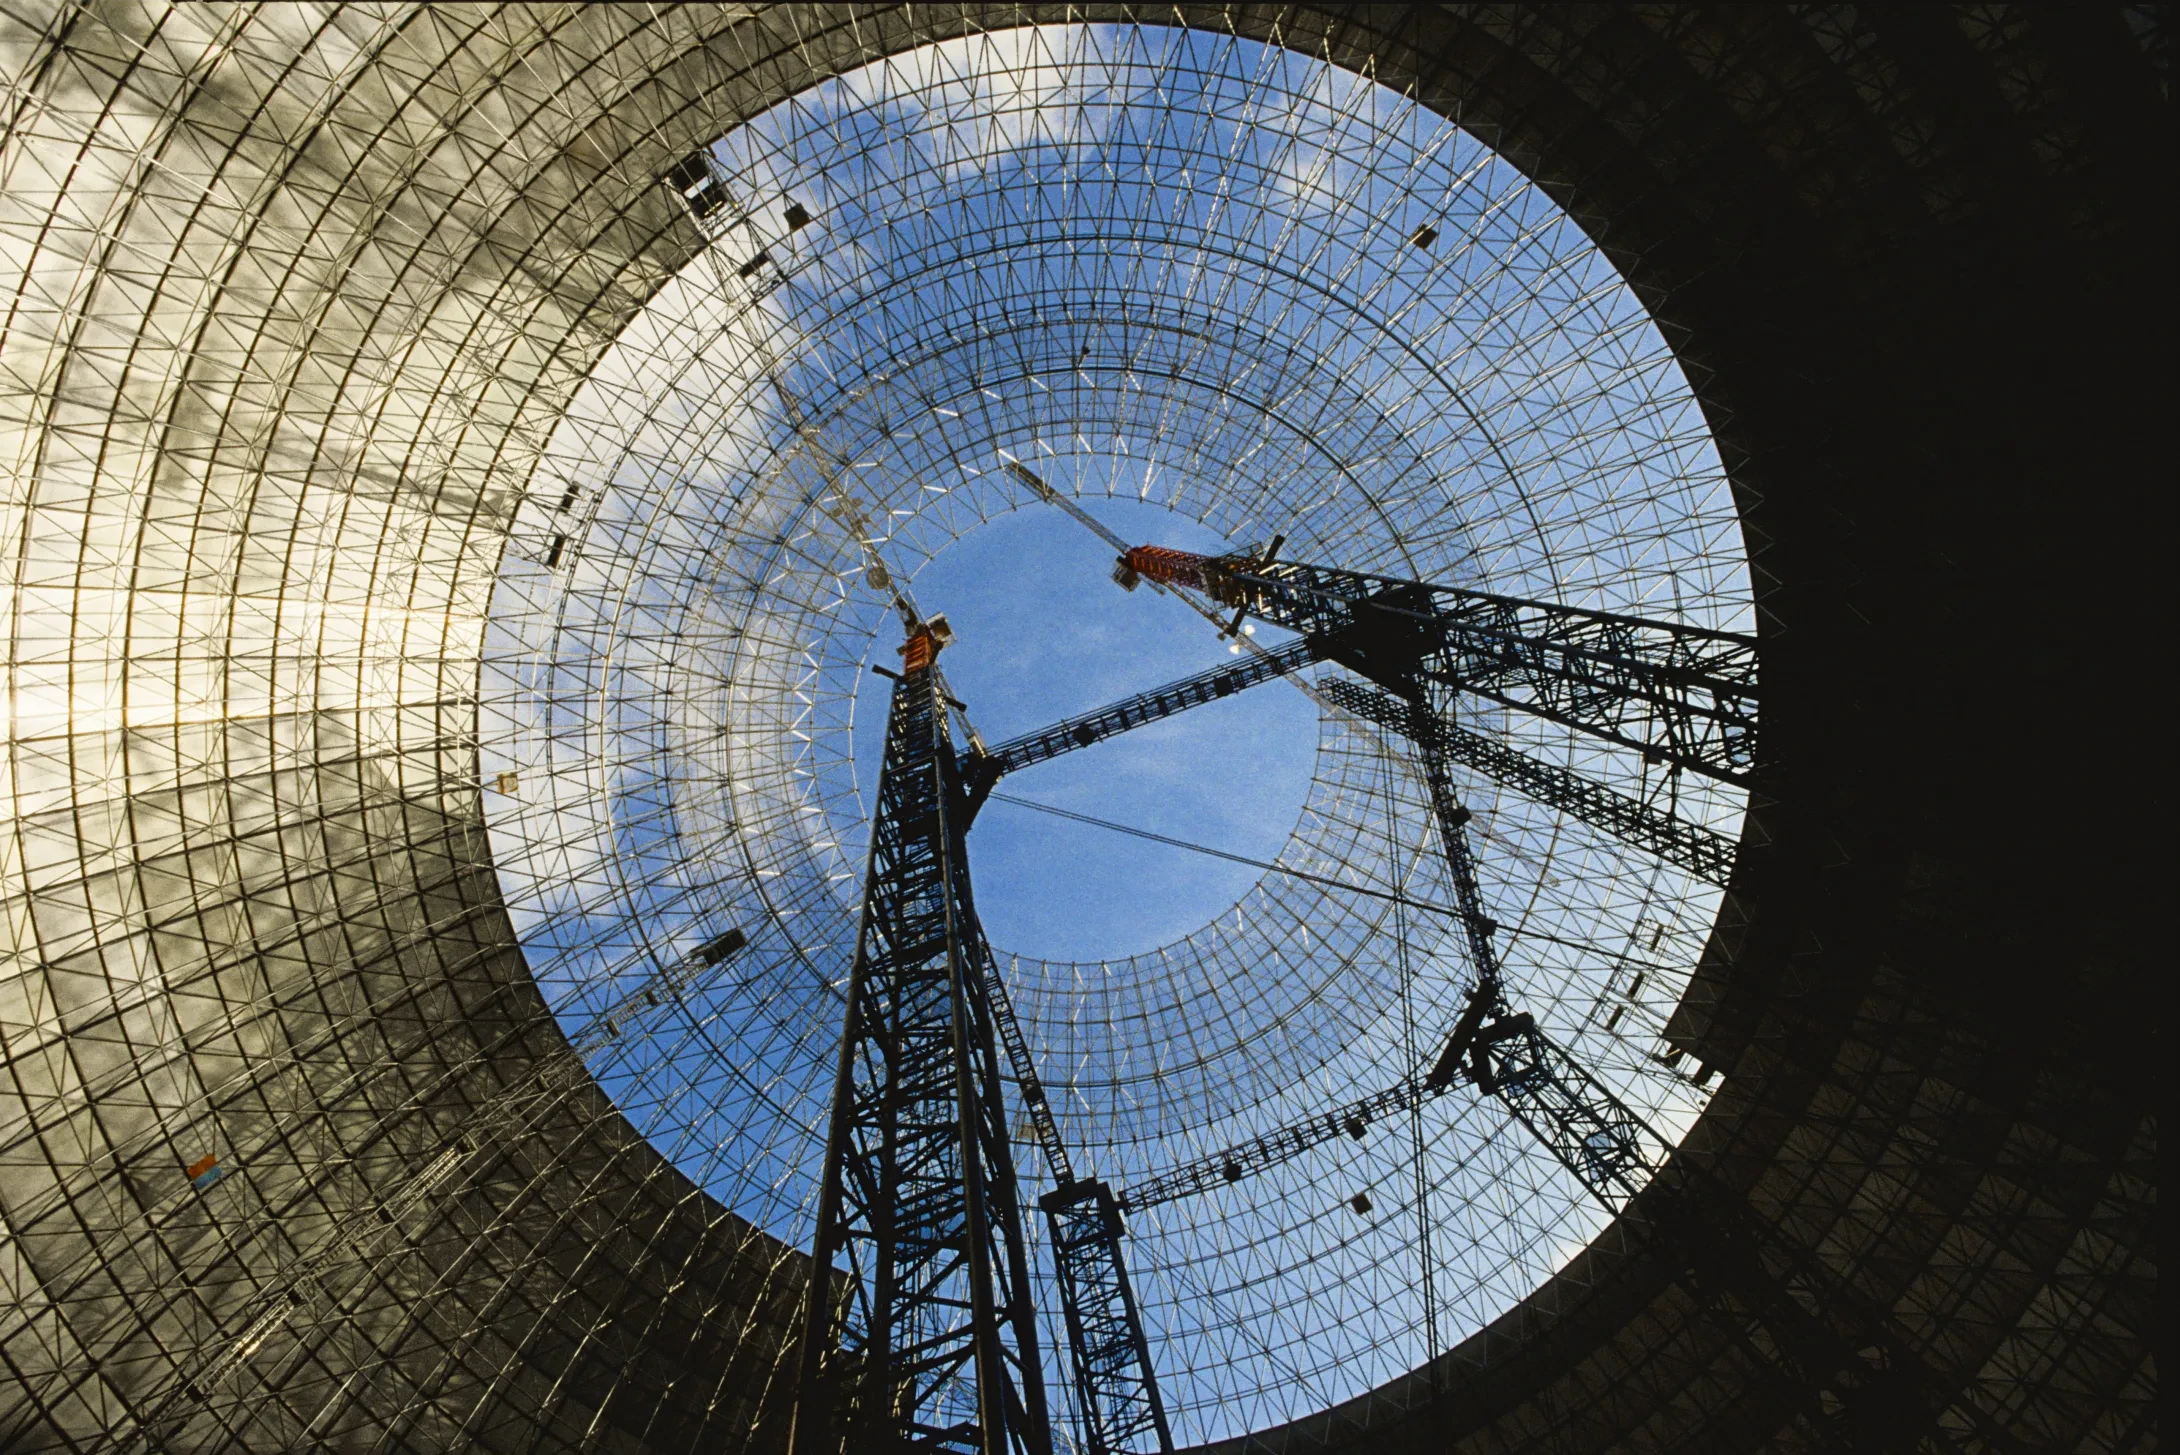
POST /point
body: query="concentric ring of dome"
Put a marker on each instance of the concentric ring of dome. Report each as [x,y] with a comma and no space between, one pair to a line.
[1180,268]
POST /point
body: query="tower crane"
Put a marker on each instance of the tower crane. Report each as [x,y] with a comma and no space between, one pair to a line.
[919,1196]
[1683,696]
[1701,850]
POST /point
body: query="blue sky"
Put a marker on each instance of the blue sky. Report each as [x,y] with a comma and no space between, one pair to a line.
[1170,267]
[1043,633]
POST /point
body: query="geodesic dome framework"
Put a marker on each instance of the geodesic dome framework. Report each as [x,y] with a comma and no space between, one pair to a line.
[1168,266]
[328,325]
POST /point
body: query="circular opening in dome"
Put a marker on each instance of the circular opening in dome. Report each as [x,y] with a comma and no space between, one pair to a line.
[1043,635]
[1234,291]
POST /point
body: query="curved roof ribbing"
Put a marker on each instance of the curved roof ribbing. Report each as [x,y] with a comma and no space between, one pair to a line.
[1164,266]
[299,299]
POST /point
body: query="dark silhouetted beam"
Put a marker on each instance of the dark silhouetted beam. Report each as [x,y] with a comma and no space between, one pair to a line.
[1682,695]
[1703,852]
[983,770]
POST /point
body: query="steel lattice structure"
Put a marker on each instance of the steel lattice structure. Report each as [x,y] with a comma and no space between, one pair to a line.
[718,572]
[462,462]
[676,631]
[936,1343]
[1677,694]
[1116,1394]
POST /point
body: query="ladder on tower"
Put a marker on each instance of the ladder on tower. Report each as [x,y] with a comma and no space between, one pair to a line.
[933,1345]
[930,1342]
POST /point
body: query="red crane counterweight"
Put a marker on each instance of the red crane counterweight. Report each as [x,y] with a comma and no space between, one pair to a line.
[1212,575]
[1174,568]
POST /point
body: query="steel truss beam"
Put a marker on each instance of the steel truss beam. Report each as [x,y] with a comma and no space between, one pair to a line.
[1116,1395]
[983,770]
[1262,1153]
[1681,695]
[1703,852]
[1116,1388]
[919,1198]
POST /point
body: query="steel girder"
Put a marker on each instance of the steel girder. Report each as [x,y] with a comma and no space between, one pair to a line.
[1116,1395]
[987,768]
[1116,1387]
[919,1198]
[1681,695]
[1703,852]
[1273,1148]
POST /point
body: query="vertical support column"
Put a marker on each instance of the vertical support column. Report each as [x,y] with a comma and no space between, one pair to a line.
[1452,816]
[918,1331]
[1116,1394]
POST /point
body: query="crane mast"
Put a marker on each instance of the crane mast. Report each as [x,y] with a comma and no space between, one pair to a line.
[929,1341]
[919,1196]
[1116,1393]
[1685,697]
[1117,1404]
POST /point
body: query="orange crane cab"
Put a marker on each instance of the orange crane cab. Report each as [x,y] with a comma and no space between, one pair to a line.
[923,644]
